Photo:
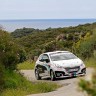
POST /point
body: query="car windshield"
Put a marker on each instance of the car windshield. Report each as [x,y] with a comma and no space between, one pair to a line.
[62,56]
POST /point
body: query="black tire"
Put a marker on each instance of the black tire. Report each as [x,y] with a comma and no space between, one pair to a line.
[37,74]
[84,72]
[52,76]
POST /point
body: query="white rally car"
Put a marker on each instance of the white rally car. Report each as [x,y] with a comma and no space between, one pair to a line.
[59,64]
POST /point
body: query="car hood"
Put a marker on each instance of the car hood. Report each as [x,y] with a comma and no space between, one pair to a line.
[68,63]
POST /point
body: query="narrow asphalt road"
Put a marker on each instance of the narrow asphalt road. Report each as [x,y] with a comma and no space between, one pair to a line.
[69,88]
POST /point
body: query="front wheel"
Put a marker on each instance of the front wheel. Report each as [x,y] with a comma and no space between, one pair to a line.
[37,75]
[84,71]
[52,75]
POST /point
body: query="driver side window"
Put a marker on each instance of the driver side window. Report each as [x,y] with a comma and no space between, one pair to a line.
[43,57]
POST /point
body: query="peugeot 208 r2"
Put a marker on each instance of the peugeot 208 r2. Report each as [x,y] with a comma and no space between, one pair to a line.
[59,64]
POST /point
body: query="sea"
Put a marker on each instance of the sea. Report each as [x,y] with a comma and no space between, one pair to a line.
[12,25]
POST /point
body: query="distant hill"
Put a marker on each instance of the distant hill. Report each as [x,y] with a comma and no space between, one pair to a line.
[24,31]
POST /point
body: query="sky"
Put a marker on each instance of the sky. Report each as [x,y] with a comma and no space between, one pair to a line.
[47,9]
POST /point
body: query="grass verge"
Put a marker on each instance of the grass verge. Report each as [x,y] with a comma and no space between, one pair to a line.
[91,62]
[89,85]
[17,85]
[27,65]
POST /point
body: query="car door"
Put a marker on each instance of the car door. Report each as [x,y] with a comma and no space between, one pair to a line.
[43,65]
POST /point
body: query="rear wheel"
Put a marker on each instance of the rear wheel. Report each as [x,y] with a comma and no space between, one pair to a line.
[37,75]
[52,75]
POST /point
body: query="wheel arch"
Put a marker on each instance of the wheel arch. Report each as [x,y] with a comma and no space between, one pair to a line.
[51,70]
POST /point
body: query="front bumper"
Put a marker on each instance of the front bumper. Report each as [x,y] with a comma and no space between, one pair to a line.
[64,73]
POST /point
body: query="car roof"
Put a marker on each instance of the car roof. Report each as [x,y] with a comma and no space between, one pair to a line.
[54,52]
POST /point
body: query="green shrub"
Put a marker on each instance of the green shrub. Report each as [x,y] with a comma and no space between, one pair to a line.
[85,46]
[10,52]
[2,81]
[89,86]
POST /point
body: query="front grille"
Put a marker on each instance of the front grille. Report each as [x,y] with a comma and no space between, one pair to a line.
[72,69]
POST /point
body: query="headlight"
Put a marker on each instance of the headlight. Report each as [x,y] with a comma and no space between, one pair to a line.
[82,64]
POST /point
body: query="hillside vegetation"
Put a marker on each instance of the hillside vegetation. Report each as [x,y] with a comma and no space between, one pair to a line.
[36,41]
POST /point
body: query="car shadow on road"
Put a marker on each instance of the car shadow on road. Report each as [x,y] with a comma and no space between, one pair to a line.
[59,79]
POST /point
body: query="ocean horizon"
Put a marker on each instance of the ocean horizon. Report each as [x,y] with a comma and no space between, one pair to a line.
[11,25]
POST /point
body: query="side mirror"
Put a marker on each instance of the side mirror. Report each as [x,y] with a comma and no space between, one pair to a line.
[47,60]
[42,60]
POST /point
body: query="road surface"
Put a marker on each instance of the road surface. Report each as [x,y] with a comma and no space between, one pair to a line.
[69,88]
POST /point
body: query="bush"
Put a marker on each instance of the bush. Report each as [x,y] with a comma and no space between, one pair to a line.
[10,60]
[1,77]
[10,55]
[89,86]
[10,52]
[85,46]
[22,55]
